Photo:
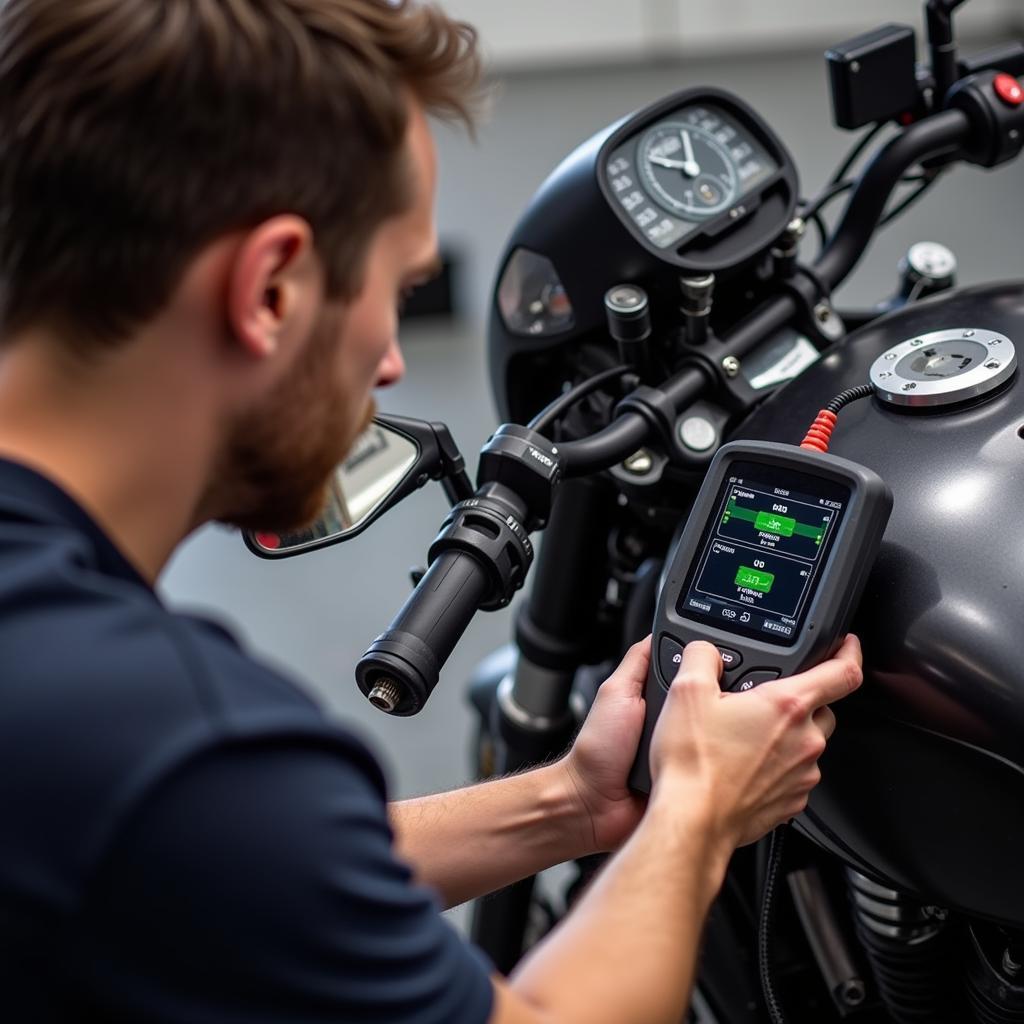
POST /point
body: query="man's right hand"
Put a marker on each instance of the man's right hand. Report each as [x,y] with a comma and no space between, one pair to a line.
[727,767]
[749,758]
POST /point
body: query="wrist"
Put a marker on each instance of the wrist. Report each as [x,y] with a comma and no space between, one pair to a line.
[562,805]
[689,811]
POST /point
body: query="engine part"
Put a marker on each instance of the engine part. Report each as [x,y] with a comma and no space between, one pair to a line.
[995,976]
[909,948]
[828,944]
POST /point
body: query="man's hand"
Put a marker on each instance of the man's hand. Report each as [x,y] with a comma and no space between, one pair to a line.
[749,758]
[600,759]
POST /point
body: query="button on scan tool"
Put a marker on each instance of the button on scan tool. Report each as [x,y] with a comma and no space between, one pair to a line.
[752,679]
[730,659]
[670,656]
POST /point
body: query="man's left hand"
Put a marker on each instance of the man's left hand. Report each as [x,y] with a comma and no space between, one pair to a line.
[598,764]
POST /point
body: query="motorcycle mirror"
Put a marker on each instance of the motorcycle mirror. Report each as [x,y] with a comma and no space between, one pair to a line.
[392,458]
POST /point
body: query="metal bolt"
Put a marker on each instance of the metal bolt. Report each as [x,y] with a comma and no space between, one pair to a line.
[385,695]
[890,356]
[855,67]
[853,992]
[996,341]
[993,364]
[1014,134]
[731,366]
[639,463]
[909,387]
[916,342]
[968,334]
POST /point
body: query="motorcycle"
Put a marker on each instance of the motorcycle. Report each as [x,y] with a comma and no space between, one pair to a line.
[654,303]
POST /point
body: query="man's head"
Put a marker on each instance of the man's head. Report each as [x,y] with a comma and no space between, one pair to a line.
[138,135]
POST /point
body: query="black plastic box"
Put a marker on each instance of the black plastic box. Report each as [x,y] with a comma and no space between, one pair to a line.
[873,76]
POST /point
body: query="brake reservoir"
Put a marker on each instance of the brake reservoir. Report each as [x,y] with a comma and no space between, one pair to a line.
[944,368]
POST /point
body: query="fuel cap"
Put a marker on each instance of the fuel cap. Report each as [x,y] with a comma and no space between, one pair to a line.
[944,367]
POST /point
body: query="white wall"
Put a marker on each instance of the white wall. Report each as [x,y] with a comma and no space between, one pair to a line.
[546,33]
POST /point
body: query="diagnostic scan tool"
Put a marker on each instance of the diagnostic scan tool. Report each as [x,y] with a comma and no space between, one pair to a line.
[770,568]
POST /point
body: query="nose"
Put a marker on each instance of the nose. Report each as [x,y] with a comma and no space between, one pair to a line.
[392,366]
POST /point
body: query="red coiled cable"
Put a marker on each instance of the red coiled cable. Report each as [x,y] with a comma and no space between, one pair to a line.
[820,432]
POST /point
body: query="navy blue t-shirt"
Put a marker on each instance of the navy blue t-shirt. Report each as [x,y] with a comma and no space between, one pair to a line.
[183,835]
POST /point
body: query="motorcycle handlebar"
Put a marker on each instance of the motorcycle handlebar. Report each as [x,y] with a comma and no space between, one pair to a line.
[933,136]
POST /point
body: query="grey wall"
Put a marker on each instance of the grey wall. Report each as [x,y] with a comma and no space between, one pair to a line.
[316,615]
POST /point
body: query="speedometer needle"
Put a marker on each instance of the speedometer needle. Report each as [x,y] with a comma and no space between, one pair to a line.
[690,168]
[667,161]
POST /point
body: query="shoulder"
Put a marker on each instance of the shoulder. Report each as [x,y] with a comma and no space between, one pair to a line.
[107,693]
[275,863]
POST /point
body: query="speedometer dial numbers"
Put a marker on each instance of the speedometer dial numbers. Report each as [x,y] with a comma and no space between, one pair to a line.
[698,168]
[687,170]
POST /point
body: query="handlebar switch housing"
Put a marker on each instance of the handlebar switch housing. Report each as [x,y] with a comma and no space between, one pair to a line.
[997,127]
[528,464]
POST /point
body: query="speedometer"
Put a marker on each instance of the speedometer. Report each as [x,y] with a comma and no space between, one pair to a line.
[687,170]
[699,179]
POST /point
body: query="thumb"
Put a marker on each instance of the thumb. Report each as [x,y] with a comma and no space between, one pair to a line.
[629,678]
[701,667]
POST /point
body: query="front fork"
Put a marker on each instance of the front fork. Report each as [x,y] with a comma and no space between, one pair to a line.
[531,714]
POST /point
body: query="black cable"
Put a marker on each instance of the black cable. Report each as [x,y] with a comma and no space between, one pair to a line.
[826,196]
[766,922]
[859,146]
[819,223]
[844,398]
[810,209]
[926,182]
[548,415]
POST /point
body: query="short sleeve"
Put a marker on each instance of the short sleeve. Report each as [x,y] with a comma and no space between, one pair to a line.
[259,884]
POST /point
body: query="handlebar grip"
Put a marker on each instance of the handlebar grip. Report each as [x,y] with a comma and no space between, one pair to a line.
[402,666]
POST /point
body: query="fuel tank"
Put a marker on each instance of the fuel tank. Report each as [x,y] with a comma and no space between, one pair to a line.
[923,782]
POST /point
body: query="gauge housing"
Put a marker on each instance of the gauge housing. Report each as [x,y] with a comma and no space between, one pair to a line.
[575,241]
[740,215]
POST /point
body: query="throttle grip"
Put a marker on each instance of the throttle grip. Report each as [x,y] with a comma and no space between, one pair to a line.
[402,666]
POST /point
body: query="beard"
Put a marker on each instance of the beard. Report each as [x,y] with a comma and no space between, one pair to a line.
[278,459]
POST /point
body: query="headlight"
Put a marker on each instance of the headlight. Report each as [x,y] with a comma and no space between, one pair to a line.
[532,299]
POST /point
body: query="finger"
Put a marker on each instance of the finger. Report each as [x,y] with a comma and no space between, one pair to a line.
[701,665]
[828,682]
[629,678]
[825,720]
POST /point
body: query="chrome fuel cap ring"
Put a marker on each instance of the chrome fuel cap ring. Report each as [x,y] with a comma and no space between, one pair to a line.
[944,367]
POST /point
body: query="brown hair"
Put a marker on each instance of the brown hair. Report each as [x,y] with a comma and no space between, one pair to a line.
[133,132]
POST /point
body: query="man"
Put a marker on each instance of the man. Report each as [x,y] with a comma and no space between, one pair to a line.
[210,210]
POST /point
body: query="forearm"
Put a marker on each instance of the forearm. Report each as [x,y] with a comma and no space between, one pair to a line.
[473,841]
[628,950]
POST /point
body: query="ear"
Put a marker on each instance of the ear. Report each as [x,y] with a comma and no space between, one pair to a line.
[273,283]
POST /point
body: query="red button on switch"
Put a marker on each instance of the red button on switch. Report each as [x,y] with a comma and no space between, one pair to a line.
[1008,89]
